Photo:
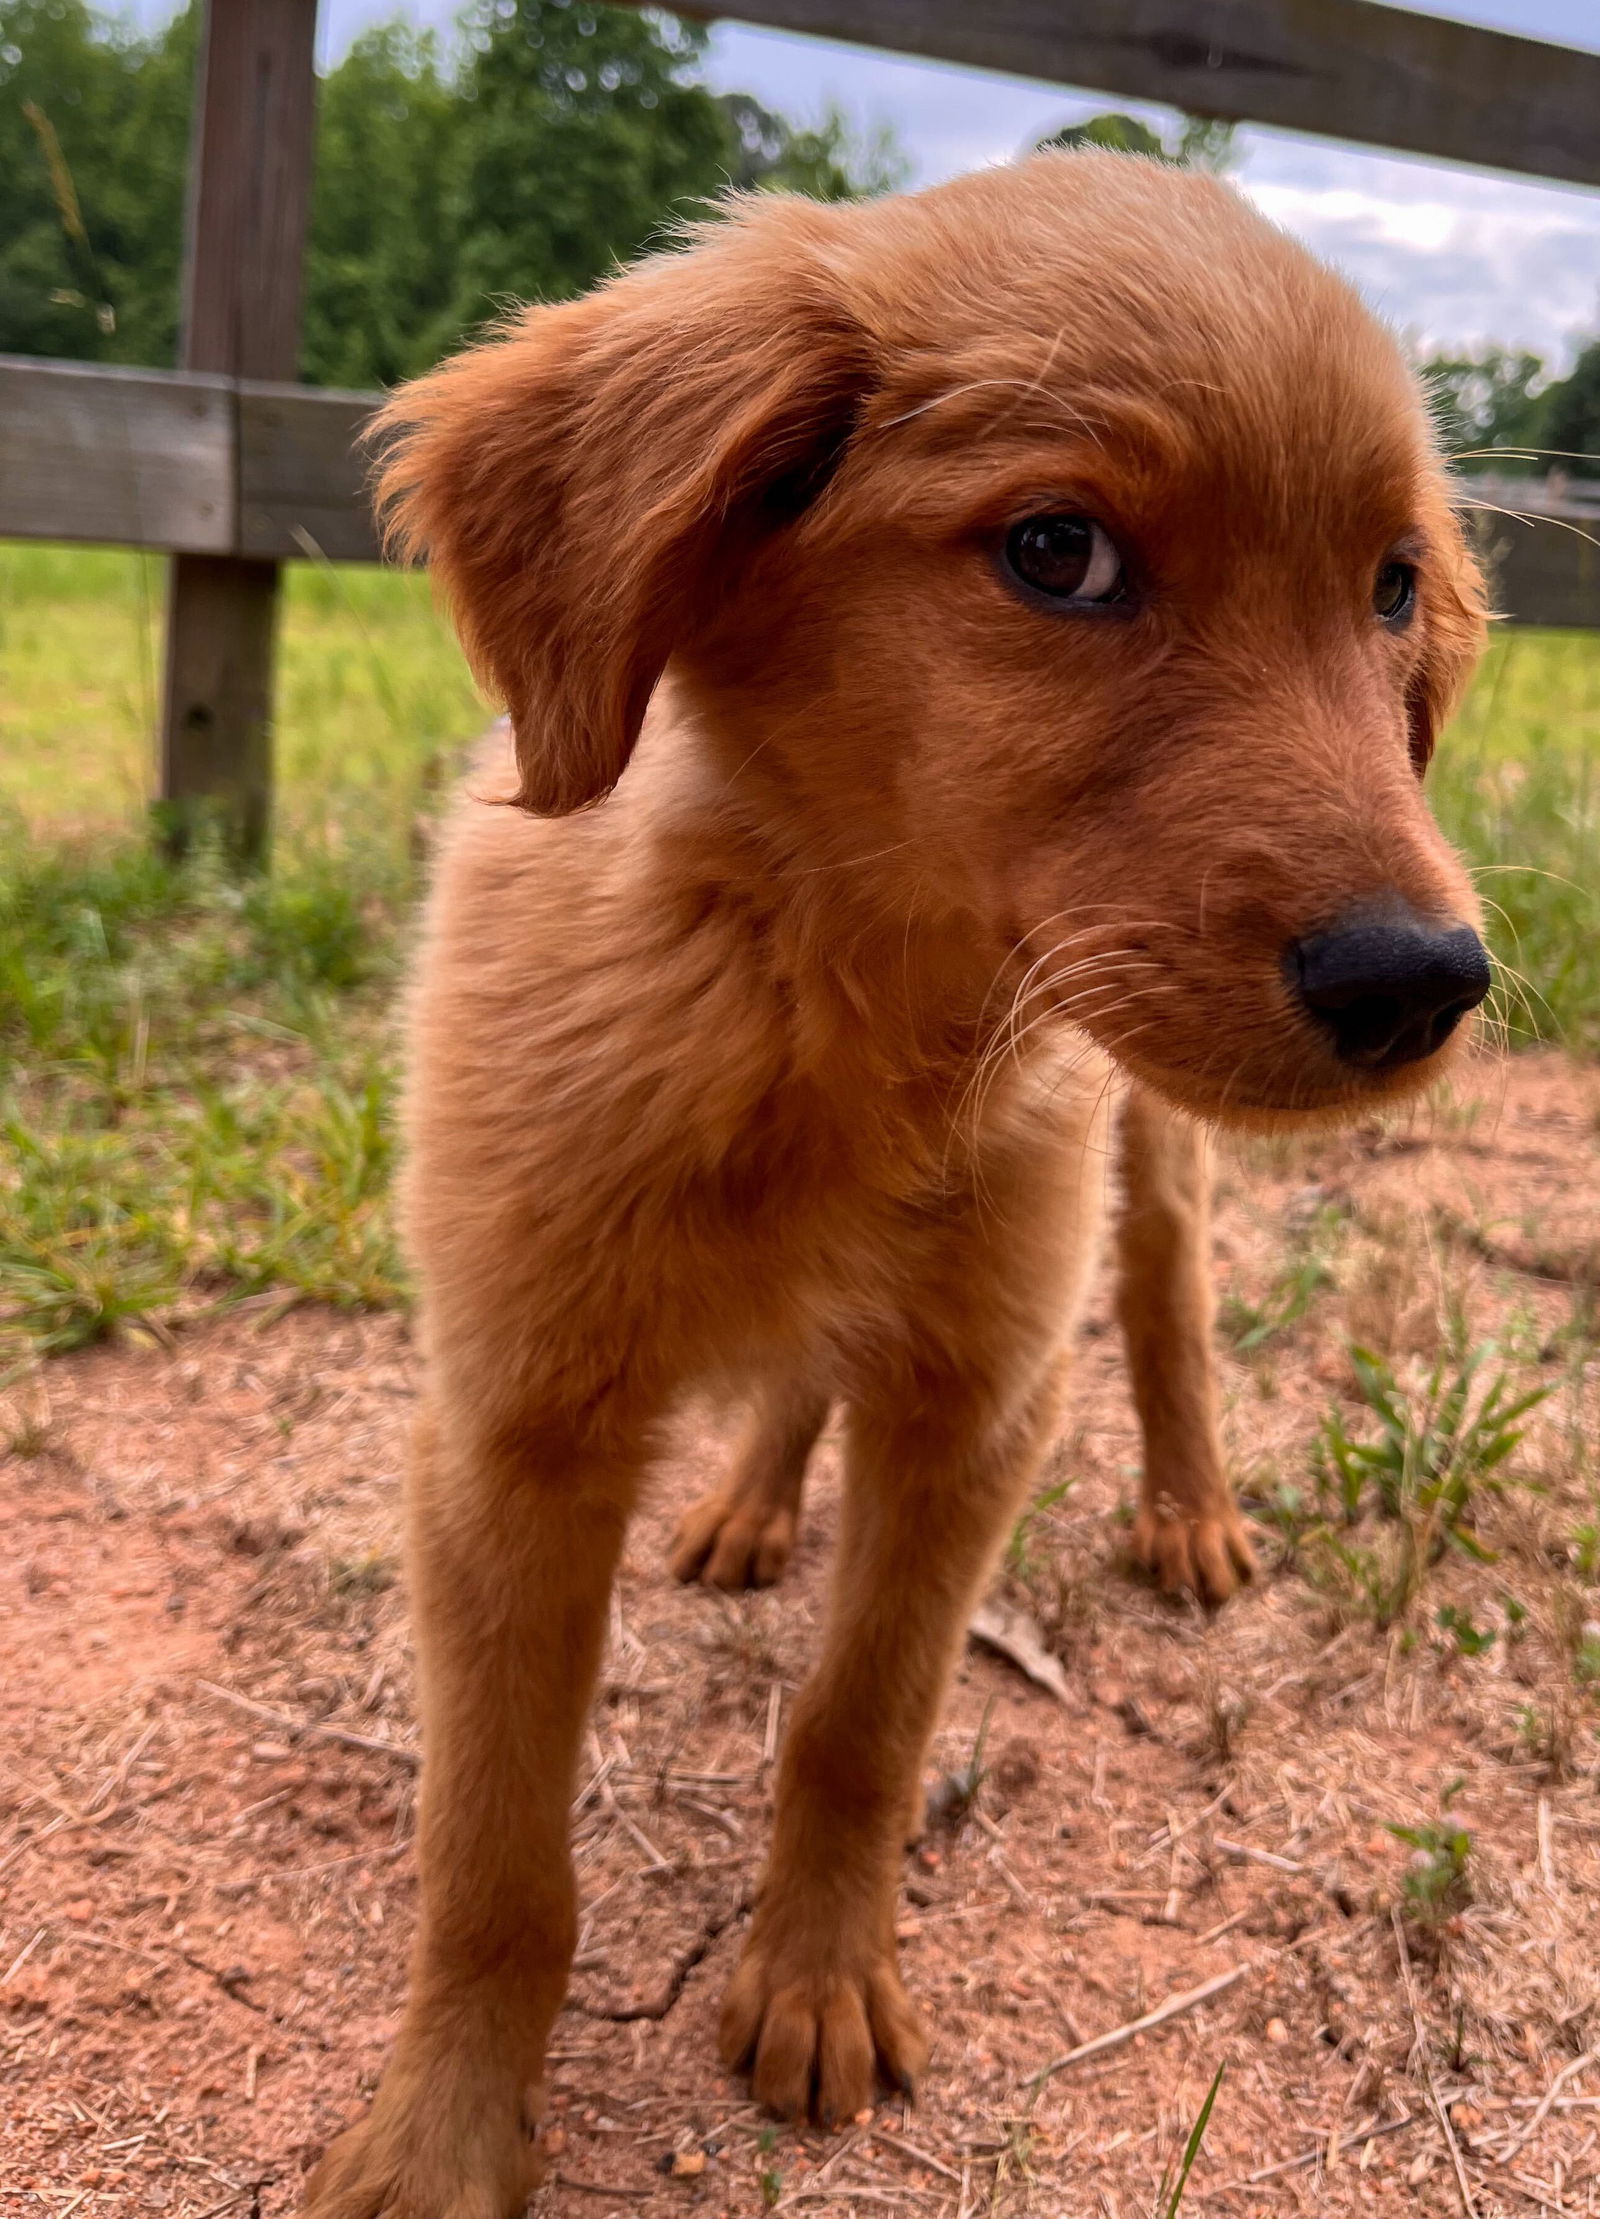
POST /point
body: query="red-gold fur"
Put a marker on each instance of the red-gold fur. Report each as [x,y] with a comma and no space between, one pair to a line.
[792,1068]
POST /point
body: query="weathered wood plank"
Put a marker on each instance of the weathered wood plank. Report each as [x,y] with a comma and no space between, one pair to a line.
[1543,568]
[217,730]
[302,476]
[183,463]
[250,188]
[131,457]
[1342,69]
[249,198]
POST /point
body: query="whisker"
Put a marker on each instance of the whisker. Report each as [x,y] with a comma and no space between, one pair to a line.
[1562,523]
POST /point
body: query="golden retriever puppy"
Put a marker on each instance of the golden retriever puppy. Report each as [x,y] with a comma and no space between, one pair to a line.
[971,663]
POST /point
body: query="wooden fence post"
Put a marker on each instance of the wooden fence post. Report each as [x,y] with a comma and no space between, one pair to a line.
[249,199]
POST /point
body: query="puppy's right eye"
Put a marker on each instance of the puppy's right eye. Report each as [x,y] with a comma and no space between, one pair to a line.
[1071,558]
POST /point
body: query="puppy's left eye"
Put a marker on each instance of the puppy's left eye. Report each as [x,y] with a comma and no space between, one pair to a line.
[1394,594]
[1071,558]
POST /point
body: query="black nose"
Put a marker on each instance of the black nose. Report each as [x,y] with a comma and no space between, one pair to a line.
[1389,989]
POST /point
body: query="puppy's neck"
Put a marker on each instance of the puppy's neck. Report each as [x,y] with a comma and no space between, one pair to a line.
[880,975]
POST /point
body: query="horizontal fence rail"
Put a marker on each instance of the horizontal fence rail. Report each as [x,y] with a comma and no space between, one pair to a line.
[191,464]
[181,461]
[1341,69]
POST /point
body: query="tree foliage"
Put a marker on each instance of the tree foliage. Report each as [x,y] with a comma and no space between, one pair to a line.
[93,149]
[520,158]
[1570,419]
[1499,409]
[1486,401]
[1200,142]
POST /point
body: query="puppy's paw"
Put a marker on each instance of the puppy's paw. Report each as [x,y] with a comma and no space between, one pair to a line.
[732,1540]
[817,2037]
[448,2150]
[1204,1553]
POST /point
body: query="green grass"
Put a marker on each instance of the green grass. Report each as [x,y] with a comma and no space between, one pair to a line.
[194,1091]
[1517,787]
[371,690]
[1441,1447]
[195,1074]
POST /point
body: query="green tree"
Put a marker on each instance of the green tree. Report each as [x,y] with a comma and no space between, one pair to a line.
[1200,142]
[1569,420]
[1487,400]
[827,161]
[93,148]
[586,136]
[381,258]
[521,158]
[550,141]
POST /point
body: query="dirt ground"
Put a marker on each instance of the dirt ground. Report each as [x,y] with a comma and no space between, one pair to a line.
[208,1766]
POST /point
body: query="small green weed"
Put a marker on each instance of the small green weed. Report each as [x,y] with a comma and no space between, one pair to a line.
[954,1793]
[1020,1548]
[1438,1876]
[1288,1511]
[1469,1640]
[1169,2197]
[1548,1732]
[769,2180]
[1307,1273]
[1438,1451]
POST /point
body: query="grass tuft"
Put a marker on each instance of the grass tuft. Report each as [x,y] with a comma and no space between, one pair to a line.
[1440,1448]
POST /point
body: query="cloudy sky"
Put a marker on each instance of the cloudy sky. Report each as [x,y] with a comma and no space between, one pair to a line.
[1449,254]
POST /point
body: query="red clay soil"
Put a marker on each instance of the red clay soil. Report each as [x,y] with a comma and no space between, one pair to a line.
[208,1771]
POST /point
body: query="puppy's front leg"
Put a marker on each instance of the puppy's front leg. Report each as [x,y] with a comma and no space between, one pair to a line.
[513,1546]
[816,2007]
[1188,1530]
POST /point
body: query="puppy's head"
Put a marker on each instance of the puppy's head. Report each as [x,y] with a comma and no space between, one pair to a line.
[1061,553]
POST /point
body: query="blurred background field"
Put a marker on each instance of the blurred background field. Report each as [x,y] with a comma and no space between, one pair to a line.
[196,1072]
[371,684]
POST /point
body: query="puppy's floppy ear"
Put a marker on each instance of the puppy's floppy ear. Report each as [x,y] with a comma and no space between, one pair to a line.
[575,480]
[1455,617]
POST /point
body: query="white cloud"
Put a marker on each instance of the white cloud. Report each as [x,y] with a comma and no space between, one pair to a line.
[1452,257]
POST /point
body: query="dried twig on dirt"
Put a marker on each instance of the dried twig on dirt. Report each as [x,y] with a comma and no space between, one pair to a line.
[1545,2104]
[888,2140]
[1250,1856]
[287,1723]
[1173,2008]
[22,1956]
[635,1832]
[1359,2136]
[1463,2185]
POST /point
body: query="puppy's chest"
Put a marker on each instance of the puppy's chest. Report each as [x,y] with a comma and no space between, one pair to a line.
[850,1243]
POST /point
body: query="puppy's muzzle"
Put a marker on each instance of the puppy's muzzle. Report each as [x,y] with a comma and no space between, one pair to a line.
[1388,989]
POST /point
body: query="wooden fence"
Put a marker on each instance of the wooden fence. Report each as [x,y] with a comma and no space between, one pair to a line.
[230,469]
